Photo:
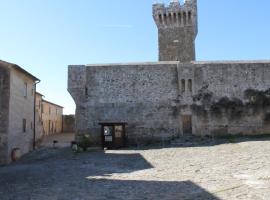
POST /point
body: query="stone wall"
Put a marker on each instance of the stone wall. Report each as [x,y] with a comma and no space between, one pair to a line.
[4,113]
[144,95]
[227,97]
[221,98]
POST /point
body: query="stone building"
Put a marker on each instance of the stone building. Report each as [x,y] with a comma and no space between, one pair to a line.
[17,89]
[48,117]
[176,95]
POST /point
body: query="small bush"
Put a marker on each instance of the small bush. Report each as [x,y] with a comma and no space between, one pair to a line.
[84,142]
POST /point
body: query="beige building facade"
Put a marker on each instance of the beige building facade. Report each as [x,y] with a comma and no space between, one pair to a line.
[51,117]
[17,94]
[48,118]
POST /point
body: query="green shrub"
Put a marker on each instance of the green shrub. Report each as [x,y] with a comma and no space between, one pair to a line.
[84,142]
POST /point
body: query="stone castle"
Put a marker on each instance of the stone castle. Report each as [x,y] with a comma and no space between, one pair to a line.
[176,95]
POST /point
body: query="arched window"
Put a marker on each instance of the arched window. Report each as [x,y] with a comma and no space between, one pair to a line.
[183,85]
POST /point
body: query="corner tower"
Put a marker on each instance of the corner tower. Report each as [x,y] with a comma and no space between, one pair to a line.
[177,30]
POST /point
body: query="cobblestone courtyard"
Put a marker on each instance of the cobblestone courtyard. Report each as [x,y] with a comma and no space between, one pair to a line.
[187,171]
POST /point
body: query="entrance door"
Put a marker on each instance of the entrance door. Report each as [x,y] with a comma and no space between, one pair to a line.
[187,124]
[108,136]
[113,135]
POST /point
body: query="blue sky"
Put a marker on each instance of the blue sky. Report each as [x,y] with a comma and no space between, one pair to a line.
[45,36]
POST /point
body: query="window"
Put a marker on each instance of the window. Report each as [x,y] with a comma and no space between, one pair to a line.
[86,91]
[183,85]
[189,17]
[49,110]
[174,18]
[24,125]
[170,18]
[185,18]
[25,90]
[190,85]
[42,108]
[160,18]
[49,126]
[179,18]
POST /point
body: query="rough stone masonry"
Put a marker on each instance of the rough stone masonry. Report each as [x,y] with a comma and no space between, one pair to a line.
[177,95]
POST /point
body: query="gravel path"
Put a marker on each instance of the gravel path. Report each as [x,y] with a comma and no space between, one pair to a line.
[226,171]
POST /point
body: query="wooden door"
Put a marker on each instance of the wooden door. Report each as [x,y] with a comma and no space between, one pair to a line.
[187,124]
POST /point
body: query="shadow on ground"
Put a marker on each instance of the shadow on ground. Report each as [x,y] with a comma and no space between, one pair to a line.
[59,174]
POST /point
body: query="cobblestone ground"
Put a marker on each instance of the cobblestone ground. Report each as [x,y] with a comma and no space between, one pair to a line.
[187,171]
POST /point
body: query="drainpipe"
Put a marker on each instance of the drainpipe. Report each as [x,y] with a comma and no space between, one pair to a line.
[34,126]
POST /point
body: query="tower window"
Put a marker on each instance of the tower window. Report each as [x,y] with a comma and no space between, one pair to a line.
[174,18]
[179,18]
[170,17]
[165,18]
[183,85]
[189,16]
[190,85]
[185,18]
[160,18]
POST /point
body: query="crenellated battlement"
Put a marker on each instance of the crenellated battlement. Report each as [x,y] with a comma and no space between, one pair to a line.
[175,14]
[177,26]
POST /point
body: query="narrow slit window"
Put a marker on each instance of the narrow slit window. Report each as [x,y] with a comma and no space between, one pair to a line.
[190,85]
[25,90]
[24,125]
[86,91]
[183,85]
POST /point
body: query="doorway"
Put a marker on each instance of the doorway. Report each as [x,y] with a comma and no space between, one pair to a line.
[187,124]
[113,135]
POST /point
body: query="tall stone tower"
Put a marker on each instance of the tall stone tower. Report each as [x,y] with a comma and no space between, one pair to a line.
[177,30]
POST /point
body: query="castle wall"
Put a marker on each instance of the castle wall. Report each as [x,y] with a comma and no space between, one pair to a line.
[227,97]
[155,99]
[143,95]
